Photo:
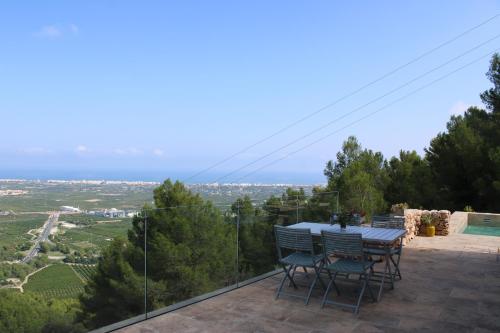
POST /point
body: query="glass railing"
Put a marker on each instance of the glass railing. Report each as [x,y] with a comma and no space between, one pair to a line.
[95,261]
[191,250]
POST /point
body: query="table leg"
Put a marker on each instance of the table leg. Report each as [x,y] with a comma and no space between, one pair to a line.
[388,259]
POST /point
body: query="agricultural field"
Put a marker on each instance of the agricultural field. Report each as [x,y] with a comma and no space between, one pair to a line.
[84,272]
[45,196]
[79,238]
[96,235]
[56,281]
[86,220]
[14,233]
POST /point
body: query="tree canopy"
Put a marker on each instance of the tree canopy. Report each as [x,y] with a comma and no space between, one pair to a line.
[25,312]
[360,177]
[465,160]
[189,252]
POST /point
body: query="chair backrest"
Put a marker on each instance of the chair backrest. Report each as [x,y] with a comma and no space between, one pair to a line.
[295,239]
[355,220]
[391,222]
[342,244]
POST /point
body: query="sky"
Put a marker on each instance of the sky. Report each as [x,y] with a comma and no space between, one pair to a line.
[156,89]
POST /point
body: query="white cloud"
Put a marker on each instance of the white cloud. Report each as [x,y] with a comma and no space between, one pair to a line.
[158,152]
[459,108]
[35,151]
[127,151]
[81,149]
[134,151]
[49,31]
[57,31]
[119,151]
[74,29]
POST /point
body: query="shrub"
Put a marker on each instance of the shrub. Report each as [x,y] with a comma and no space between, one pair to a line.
[468,209]
[426,219]
[399,208]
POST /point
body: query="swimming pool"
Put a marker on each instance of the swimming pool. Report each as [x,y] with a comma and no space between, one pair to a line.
[481,230]
[483,224]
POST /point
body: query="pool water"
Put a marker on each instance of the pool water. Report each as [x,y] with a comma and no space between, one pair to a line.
[480,230]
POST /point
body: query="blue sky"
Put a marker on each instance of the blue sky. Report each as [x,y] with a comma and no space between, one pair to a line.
[171,88]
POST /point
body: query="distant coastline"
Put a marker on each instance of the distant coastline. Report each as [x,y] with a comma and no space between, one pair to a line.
[157,177]
[146,183]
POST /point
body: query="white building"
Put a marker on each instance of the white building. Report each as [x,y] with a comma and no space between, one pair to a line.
[113,212]
[70,209]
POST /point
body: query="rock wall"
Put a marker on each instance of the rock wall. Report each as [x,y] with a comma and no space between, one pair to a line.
[440,219]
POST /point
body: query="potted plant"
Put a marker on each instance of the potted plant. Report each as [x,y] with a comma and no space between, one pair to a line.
[430,230]
[344,219]
[399,209]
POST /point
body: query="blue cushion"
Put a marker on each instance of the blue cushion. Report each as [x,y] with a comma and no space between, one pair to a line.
[349,266]
[302,259]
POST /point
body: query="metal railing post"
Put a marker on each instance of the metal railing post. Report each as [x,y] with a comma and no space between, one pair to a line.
[237,245]
[145,265]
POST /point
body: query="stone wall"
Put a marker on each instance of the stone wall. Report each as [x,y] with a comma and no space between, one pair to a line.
[440,219]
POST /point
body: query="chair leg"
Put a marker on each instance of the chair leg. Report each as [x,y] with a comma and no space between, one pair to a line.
[368,277]
[312,287]
[326,293]
[287,276]
[293,275]
[361,293]
[335,285]
[391,275]
[396,266]
[318,271]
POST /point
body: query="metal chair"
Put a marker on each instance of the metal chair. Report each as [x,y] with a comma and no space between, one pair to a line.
[349,248]
[390,222]
[300,243]
[355,220]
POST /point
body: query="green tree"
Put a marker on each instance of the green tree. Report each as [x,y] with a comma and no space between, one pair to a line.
[465,160]
[116,290]
[189,249]
[25,312]
[321,205]
[410,181]
[256,239]
[243,207]
[360,176]
[44,247]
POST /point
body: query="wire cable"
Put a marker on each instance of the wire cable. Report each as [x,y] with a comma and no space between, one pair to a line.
[308,134]
[368,115]
[350,94]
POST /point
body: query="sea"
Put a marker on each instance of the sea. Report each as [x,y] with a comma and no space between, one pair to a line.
[161,175]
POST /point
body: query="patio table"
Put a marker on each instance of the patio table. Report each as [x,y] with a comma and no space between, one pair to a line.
[381,236]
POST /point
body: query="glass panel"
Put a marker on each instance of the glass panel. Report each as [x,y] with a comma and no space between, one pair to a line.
[191,247]
[257,249]
[321,207]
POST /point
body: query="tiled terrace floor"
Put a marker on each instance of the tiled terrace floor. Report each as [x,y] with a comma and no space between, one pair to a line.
[450,284]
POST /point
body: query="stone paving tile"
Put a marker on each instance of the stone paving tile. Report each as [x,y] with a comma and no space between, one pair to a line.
[450,284]
[438,326]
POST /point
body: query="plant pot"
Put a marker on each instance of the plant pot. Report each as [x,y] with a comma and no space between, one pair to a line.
[430,231]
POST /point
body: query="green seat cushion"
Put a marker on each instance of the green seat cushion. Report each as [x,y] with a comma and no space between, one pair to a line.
[349,266]
[302,259]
